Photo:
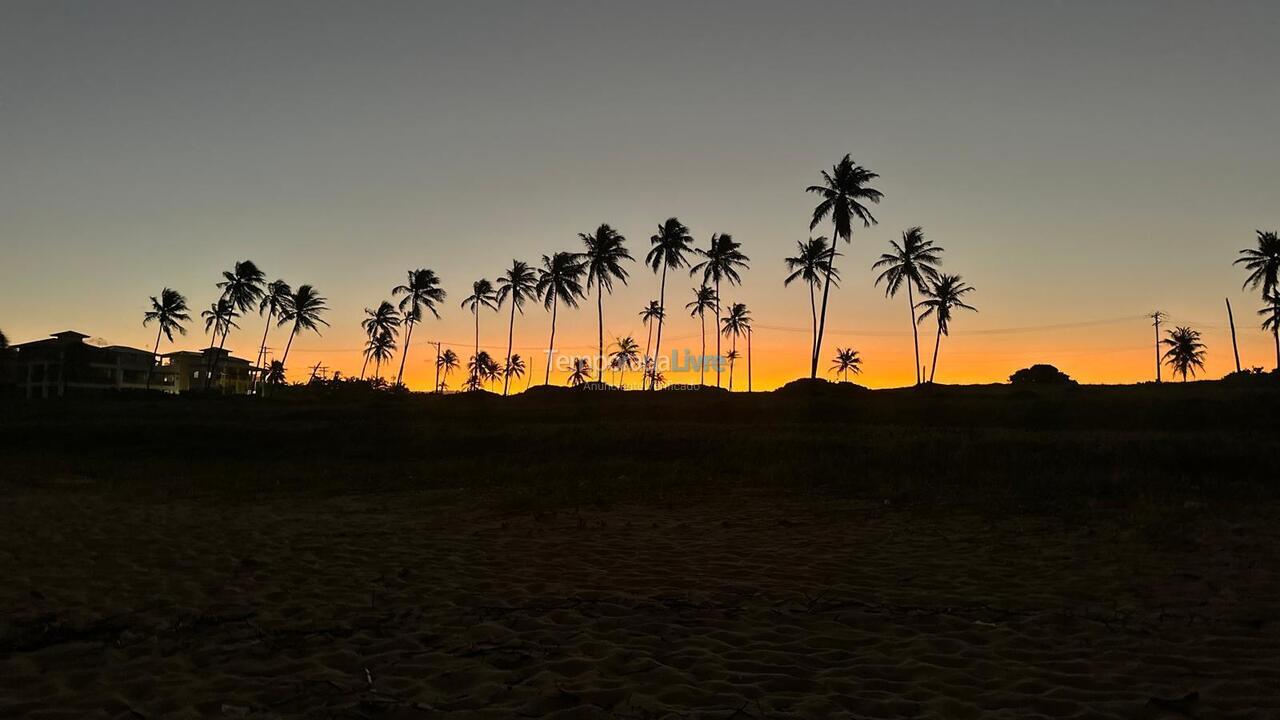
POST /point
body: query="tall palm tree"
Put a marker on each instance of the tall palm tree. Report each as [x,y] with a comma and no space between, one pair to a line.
[704,299]
[243,287]
[723,260]
[515,368]
[385,320]
[847,361]
[275,299]
[581,372]
[812,263]
[517,284]
[482,295]
[915,261]
[219,318]
[626,355]
[380,347]
[606,250]
[1185,352]
[559,281]
[1263,262]
[168,311]
[304,311]
[422,290]
[843,191]
[1272,320]
[945,294]
[447,362]
[670,245]
[737,322]
[652,313]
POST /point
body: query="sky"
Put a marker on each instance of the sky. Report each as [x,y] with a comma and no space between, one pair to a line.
[1082,163]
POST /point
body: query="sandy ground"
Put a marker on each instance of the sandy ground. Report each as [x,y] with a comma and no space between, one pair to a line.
[407,606]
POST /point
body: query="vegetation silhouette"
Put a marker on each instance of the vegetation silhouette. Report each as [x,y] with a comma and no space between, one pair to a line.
[913,263]
[1271,320]
[580,373]
[846,361]
[446,363]
[625,355]
[559,281]
[734,324]
[1041,374]
[652,313]
[605,253]
[168,312]
[704,299]
[670,245]
[943,296]
[517,284]
[275,299]
[1185,353]
[482,296]
[812,264]
[303,313]
[380,347]
[243,287]
[723,260]
[383,321]
[421,290]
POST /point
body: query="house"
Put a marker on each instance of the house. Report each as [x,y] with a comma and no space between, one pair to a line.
[187,371]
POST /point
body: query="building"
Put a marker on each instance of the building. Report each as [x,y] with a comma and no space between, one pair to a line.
[64,365]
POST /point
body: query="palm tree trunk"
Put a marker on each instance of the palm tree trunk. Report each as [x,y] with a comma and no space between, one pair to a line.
[1157,326]
[364,366]
[702,363]
[813,311]
[214,362]
[915,334]
[551,344]
[717,332]
[600,323]
[657,346]
[154,353]
[288,345]
[822,317]
[405,355]
[476,310]
[436,389]
[936,343]
[732,361]
[262,352]
[1275,333]
[511,330]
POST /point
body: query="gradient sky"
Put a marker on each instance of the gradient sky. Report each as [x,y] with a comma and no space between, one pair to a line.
[1083,163]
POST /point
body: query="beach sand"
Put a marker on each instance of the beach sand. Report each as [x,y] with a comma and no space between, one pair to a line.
[420,605]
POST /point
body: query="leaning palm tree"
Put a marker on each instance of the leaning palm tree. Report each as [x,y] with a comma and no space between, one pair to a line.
[945,294]
[581,372]
[723,260]
[843,192]
[219,318]
[380,348]
[811,263]
[652,313]
[385,320]
[243,287]
[737,322]
[304,311]
[670,245]
[1263,262]
[914,262]
[559,281]
[515,368]
[274,300]
[1271,320]
[605,253]
[422,290]
[168,312]
[704,299]
[447,363]
[847,361]
[517,284]
[482,295]
[1185,352]
[626,355]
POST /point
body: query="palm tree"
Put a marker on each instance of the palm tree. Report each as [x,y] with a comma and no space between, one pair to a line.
[670,245]
[482,295]
[274,300]
[581,372]
[219,318]
[472,382]
[304,311]
[723,259]
[847,361]
[275,373]
[382,321]
[843,192]
[515,368]
[448,362]
[732,356]
[380,347]
[1272,320]
[626,355]
[704,299]
[492,370]
[944,296]
[1263,261]
[518,284]
[811,263]
[1186,352]
[422,290]
[649,315]
[737,322]
[168,311]
[242,286]
[605,253]
[478,368]
[559,281]
[657,378]
[915,261]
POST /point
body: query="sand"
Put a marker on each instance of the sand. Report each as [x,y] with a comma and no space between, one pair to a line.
[415,605]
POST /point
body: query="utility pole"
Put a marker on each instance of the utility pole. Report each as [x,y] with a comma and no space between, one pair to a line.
[1157,317]
[1235,348]
[436,389]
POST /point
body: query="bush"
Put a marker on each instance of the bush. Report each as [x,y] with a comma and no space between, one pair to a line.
[1041,375]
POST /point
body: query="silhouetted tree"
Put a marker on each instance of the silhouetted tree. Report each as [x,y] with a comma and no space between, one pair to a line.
[1041,374]
[516,284]
[945,295]
[1271,321]
[385,320]
[275,299]
[847,361]
[1185,352]
[649,315]
[515,368]
[482,295]
[581,372]
[219,318]
[168,312]
[723,260]
[480,369]
[447,362]
[605,254]
[559,281]
[626,355]
[843,192]
[812,263]
[381,347]
[275,373]
[304,311]
[669,246]
[914,262]
[1263,262]
[704,299]
[734,324]
[243,287]
[422,290]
